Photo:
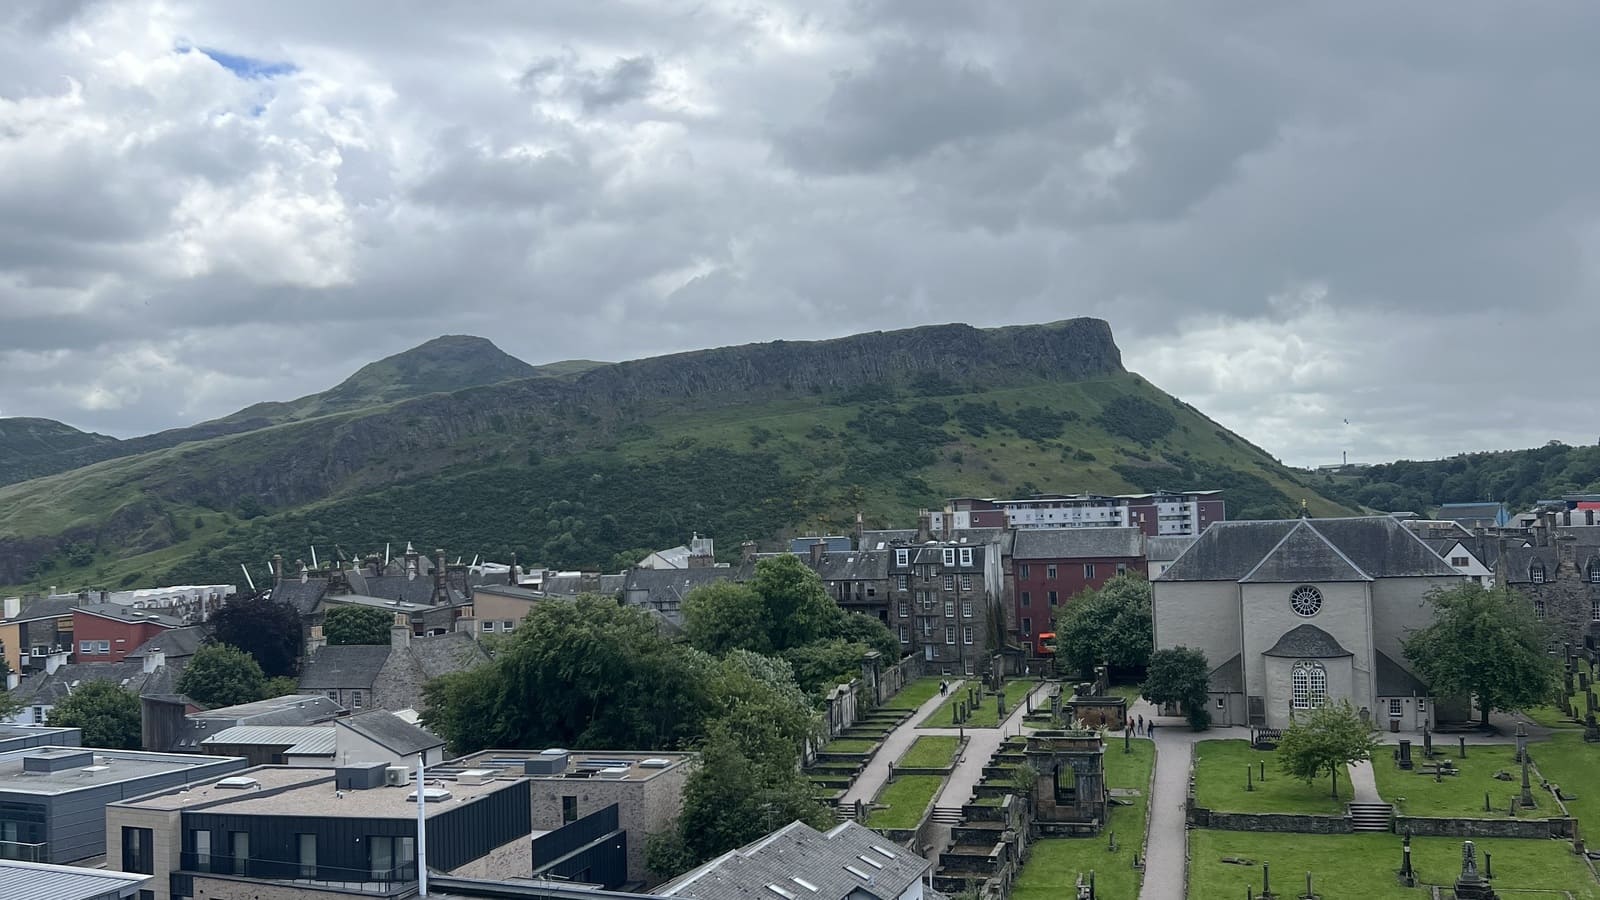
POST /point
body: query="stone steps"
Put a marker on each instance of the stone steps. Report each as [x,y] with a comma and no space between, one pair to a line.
[1370,816]
[947,815]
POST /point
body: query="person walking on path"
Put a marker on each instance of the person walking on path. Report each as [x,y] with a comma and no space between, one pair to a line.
[1140,730]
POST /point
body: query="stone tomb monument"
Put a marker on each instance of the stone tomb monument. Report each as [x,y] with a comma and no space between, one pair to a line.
[1471,885]
[1069,796]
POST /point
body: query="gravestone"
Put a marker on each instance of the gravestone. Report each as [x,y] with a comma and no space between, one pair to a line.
[1527,792]
[1266,882]
[1470,885]
[1404,759]
[1427,742]
[1408,876]
[1463,740]
[1591,731]
[1522,743]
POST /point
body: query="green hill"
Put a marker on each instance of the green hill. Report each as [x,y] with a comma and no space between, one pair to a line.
[1515,477]
[742,442]
[28,446]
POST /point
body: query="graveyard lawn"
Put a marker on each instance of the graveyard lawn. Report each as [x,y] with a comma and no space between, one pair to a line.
[929,752]
[913,695]
[1574,765]
[1219,783]
[904,801]
[985,716]
[1551,717]
[1364,865]
[1053,863]
[1459,795]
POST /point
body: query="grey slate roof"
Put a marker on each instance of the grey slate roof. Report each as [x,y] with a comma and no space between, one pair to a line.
[887,537]
[1308,642]
[453,651]
[1304,555]
[1395,681]
[658,586]
[1228,678]
[303,597]
[176,643]
[47,608]
[1376,546]
[119,612]
[400,587]
[1168,546]
[1078,543]
[46,690]
[851,565]
[390,731]
[39,881]
[353,666]
[798,850]
[1519,563]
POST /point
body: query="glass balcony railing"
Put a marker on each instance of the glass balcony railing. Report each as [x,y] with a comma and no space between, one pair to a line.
[23,852]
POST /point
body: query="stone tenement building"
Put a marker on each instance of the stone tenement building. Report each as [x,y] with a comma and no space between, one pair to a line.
[942,595]
[1558,570]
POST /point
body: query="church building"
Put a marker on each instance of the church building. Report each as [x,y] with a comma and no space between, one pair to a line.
[1295,613]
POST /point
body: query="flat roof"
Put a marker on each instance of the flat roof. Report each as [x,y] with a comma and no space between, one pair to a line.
[580,764]
[108,767]
[309,791]
[41,881]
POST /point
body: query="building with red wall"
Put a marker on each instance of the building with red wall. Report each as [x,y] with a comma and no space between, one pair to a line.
[108,632]
[1050,566]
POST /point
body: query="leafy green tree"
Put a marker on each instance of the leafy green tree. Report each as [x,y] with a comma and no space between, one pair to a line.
[863,629]
[220,675]
[820,665]
[1180,675]
[723,616]
[282,686]
[797,608]
[1487,644]
[1110,625]
[266,629]
[1325,741]
[108,715]
[356,625]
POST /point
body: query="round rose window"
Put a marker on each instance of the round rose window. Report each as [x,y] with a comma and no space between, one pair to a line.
[1306,600]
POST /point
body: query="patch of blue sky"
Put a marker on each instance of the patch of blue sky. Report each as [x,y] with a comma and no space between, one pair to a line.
[247,67]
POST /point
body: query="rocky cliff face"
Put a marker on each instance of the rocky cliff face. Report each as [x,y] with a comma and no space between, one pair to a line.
[305,461]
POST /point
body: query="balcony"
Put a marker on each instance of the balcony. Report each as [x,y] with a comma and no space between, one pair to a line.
[292,870]
[23,852]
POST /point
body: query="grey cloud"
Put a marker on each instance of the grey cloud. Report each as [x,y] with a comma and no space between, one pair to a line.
[628,79]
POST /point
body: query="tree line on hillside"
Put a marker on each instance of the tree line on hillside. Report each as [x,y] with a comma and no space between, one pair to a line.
[1516,477]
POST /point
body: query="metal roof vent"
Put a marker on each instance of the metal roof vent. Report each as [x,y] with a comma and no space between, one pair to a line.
[613,772]
[654,762]
[238,782]
[430,794]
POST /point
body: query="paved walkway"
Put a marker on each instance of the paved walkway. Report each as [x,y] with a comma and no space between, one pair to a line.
[872,778]
[1167,851]
[982,744]
[1363,784]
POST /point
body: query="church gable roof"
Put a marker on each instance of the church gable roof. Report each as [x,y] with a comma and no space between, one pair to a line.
[1382,547]
[1228,678]
[1227,551]
[1304,554]
[1375,546]
[1308,642]
[1395,681]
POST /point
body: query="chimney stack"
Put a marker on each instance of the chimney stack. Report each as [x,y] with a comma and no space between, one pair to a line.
[13,607]
[860,532]
[56,659]
[924,526]
[441,590]
[747,551]
[154,660]
[400,631]
[277,569]
[818,547]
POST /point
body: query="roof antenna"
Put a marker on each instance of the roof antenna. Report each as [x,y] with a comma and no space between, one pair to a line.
[313,556]
[247,578]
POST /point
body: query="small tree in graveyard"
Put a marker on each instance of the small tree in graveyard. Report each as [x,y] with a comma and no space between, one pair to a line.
[1489,644]
[220,675]
[357,625]
[1331,737]
[108,715]
[1180,675]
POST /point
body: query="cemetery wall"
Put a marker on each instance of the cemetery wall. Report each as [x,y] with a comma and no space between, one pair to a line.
[1425,826]
[1283,823]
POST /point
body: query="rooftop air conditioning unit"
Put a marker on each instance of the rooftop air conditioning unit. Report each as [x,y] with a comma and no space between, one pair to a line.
[475,776]
[397,776]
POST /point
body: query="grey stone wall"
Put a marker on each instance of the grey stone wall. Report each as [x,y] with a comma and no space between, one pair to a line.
[1484,828]
[1284,823]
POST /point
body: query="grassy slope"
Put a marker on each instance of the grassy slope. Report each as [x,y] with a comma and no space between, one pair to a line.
[805,435]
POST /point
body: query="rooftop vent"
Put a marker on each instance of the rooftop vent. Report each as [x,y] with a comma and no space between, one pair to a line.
[475,776]
[430,794]
[238,782]
[56,760]
[96,768]
[654,762]
[549,762]
[613,772]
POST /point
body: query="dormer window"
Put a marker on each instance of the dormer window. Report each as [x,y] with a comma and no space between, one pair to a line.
[949,556]
[902,557]
[1536,573]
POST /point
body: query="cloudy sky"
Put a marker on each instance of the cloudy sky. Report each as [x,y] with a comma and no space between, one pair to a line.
[1292,217]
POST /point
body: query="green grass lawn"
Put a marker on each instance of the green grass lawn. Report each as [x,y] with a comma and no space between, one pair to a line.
[1363,865]
[1566,760]
[985,716]
[849,745]
[1454,795]
[1056,862]
[904,801]
[1219,783]
[913,695]
[1551,717]
[930,752]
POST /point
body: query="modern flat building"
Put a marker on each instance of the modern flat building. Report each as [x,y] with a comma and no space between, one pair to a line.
[53,799]
[647,789]
[275,832]
[26,737]
[1156,514]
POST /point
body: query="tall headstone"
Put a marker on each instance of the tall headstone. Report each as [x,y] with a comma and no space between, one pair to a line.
[1471,885]
[1427,742]
[1527,792]
[1522,743]
[1404,760]
[1408,876]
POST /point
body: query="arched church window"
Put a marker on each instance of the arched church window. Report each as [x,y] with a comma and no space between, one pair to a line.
[1594,571]
[1308,685]
[1305,600]
[1536,573]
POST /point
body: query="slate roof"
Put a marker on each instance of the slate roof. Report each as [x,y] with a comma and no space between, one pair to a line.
[1374,546]
[303,597]
[1308,642]
[797,850]
[1519,562]
[655,587]
[1078,543]
[1395,681]
[390,731]
[888,537]
[118,612]
[47,690]
[300,740]
[1228,678]
[453,651]
[176,643]
[400,587]
[572,585]
[1304,554]
[350,666]
[1168,546]
[47,608]
[851,565]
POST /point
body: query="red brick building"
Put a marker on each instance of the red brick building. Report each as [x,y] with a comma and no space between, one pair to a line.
[108,632]
[1050,566]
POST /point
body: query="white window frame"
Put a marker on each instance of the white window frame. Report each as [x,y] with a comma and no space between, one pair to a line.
[508,625]
[1308,685]
[949,582]
[1538,607]
[489,625]
[86,646]
[1536,573]
[1050,573]
[966,556]
[1394,708]
[949,556]
[966,582]
[1594,610]
[902,557]
[103,647]
[949,609]
[949,634]
[966,634]
[357,699]
[966,609]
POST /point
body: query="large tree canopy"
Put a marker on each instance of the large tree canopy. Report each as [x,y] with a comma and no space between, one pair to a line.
[108,715]
[220,675]
[1180,675]
[1111,625]
[1488,644]
[266,629]
[357,625]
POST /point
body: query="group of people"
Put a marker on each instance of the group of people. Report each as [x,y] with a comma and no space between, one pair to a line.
[1138,726]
